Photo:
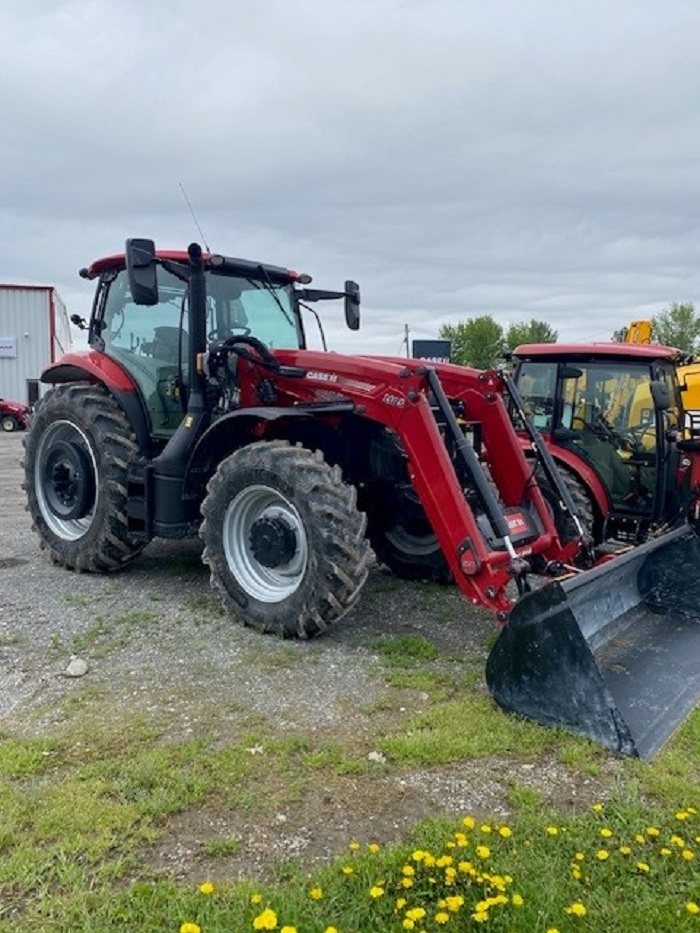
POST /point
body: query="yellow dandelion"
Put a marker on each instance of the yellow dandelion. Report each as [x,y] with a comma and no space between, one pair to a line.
[481,906]
[665,852]
[416,913]
[576,874]
[454,903]
[691,810]
[678,841]
[401,902]
[642,867]
[267,920]
[288,930]
[347,869]
[552,930]
[517,900]
[256,899]
[461,840]
[190,927]
[428,860]
[441,917]
[479,916]
[485,828]
[376,891]
[206,887]
[407,882]
[373,847]
[688,855]
[652,831]
[577,909]
[469,822]
[316,894]
[407,923]
[625,850]
[579,856]
[606,833]
[331,930]
[602,854]
[408,870]
[483,852]
[418,855]
[444,860]
[640,839]
[505,831]
[597,808]
[354,846]
[682,815]
[692,907]
[552,831]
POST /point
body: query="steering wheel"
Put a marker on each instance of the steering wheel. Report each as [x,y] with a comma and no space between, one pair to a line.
[634,435]
[213,335]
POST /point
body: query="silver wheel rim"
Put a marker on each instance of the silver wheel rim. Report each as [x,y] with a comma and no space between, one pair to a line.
[266,584]
[8,424]
[67,529]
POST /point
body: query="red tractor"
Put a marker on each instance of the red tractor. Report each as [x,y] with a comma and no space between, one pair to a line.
[612,417]
[198,410]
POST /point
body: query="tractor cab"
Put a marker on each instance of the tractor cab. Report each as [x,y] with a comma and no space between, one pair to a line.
[610,414]
[152,342]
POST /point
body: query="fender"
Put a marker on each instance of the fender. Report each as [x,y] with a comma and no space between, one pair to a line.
[587,474]
[89,366]
[230,431]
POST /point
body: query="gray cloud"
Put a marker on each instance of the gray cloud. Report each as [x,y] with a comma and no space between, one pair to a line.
[518,158]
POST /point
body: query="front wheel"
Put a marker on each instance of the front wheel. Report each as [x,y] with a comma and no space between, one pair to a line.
[77,454]
[284,540]
[8,423]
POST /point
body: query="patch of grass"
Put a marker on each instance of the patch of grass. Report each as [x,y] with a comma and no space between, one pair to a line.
[437,684]
[78,599]
[21,758]
[405,650]
[524,798]
[470,726]
[222,848]
[204,608]
[581,755]
[335,758]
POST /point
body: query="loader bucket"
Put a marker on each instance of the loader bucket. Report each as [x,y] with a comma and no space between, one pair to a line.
[612,653]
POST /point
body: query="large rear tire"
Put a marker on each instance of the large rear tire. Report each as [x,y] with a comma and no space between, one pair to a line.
[284,540]
[76,458]
[412,553]
[582,500]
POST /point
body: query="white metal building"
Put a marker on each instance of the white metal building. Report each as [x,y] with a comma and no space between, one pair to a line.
[34,331]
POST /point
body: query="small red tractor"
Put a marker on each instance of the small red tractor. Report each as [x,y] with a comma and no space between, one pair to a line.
[197,409]
[612,416]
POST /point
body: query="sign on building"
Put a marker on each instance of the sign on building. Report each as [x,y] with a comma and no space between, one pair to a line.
[437,351]
[8,348]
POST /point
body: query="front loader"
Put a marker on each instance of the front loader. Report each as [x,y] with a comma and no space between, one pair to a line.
[197,409]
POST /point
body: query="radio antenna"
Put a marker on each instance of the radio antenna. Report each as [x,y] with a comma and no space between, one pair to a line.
[194,217]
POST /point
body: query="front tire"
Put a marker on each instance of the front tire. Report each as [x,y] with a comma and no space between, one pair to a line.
[8,423]
[77,454]
[284,540]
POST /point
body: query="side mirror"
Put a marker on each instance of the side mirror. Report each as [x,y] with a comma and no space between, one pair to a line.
[660,394]
[352,305]
[142,271]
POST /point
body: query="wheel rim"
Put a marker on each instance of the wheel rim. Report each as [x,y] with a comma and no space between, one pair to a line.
[66,480]
[8,424]
[261,513]
[415,545]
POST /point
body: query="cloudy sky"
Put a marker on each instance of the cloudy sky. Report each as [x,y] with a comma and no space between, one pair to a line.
[519,158]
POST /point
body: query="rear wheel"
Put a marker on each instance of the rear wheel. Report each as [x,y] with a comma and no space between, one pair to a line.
[284,540]
[582,500]
[408,545]
[77,455]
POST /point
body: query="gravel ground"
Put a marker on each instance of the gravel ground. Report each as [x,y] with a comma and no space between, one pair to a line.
[157,643]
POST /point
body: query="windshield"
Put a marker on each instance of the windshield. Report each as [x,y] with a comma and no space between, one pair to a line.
[152,341]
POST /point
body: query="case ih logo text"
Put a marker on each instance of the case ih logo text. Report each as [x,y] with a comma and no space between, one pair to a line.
[323,377]
[396,400]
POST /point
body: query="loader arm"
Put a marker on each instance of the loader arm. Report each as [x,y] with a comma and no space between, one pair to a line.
[514,530]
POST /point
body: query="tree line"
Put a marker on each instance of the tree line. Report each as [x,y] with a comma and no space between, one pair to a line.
[482,342]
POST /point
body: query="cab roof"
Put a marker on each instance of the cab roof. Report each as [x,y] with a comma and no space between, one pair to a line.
[588,351]
[243,266]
